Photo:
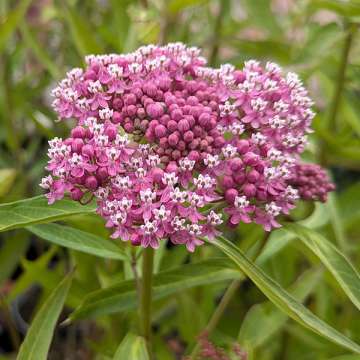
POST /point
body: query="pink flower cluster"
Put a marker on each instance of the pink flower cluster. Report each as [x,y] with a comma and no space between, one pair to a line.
[165,143]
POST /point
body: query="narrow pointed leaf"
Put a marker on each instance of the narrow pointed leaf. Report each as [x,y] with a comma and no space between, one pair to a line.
[132,347]
[36,210]
[264,320]
[123,296]
[11,22]
[38,338]
[78,240]
[281,298]
[334,260]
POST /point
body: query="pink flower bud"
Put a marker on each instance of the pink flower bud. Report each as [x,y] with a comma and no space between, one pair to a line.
[129,99]
[230,195]
[91,182]
[160,131]
[194,155]
[204,119]
[173,140]
[118,104]
[78,132]
[157,174]
[129,127]
[183,125]
[176,154]
[155,110]
[188,136]
[172,167]
[249,190]
[77,145]
[253,176]
[87,150]
[177,114]
[243,146]
[102,173]
[172,125]
[219,142]
[111,132]
[76,194]
[117,117]
[227,182]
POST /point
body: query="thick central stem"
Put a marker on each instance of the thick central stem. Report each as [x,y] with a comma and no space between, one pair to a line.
[146,294]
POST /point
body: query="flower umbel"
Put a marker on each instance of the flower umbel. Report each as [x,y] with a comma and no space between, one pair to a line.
[162,141]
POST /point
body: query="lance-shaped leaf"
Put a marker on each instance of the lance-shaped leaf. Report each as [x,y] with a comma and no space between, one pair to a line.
[38,338]
[78,240]
[36,210]
[334,260]
[281,298]
[264,320]
[132,347]
[123,296]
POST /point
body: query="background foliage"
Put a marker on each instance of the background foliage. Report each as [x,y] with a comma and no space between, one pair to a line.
[39,41]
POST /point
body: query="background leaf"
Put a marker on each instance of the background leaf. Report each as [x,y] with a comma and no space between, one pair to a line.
[78,240]
[282,299]
[132,347]
[37,342]
[36,210]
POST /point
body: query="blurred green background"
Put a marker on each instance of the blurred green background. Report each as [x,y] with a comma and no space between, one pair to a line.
[42,39]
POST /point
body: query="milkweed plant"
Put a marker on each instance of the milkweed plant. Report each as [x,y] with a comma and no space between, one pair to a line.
[173,150]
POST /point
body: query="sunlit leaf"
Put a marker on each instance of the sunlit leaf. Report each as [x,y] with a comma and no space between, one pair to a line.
[334,260]
[36,210]
[7,177]
[38,338]
[282,298]
[132,347]
[78,240]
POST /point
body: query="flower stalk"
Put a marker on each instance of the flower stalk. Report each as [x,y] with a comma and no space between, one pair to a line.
[146,295]
[340,83]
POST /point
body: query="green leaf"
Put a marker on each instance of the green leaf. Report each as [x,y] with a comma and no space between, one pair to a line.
[81,33]
[38,338]
[132,347]
[36,210]
[347,8]
[123,296]
[7,177]
[264,320]
[41,55]
[282,298]
[334,260]
[78,240]
[280,238]
[8,26]
[176,6]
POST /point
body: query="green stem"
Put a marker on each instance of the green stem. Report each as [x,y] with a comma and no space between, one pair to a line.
[216,35]
[225,300]
[146,294]
[218,313]
[335,104]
